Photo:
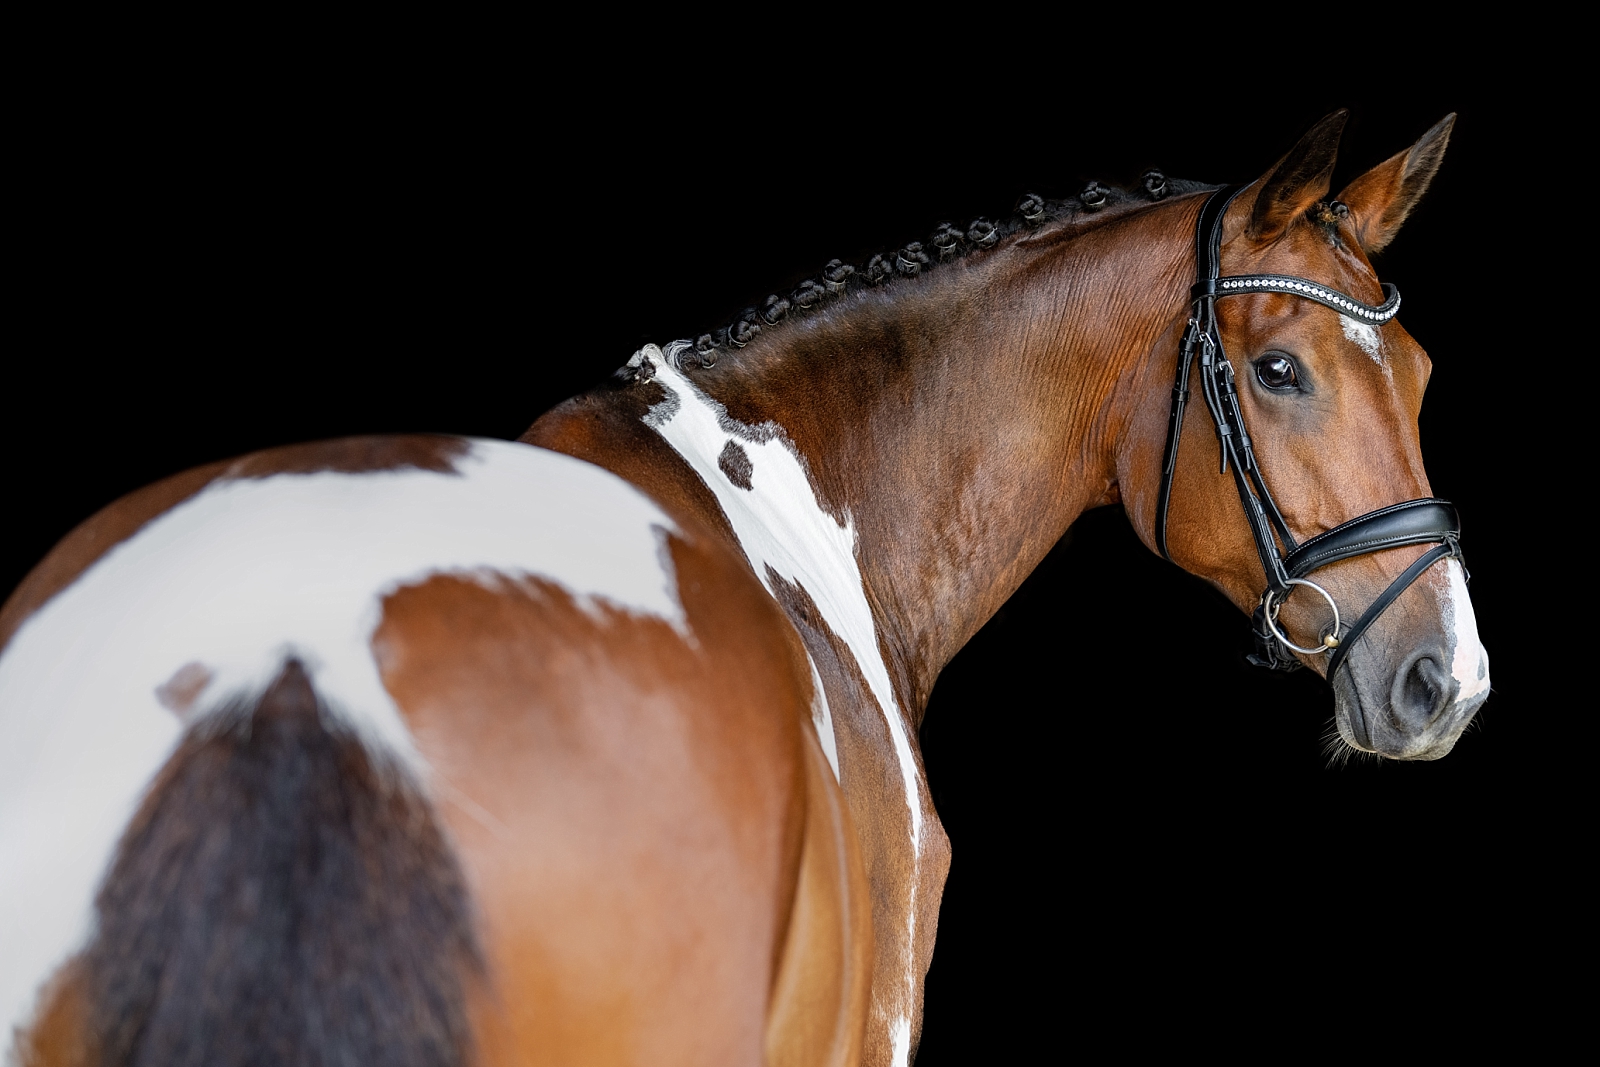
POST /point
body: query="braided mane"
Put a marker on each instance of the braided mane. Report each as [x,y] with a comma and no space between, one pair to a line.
[947,244]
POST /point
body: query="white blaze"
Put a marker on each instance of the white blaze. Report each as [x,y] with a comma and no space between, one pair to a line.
[1469,661]
[1365,336]
[236,578]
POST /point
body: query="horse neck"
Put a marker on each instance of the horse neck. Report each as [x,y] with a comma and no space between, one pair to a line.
[961,421]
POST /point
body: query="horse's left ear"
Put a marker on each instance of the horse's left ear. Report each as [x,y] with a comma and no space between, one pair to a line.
[1381,198]
[1299,180]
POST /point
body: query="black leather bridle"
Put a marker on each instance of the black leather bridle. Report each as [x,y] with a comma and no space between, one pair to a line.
[1426,521]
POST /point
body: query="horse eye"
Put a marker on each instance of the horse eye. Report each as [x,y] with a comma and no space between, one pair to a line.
[1275,372]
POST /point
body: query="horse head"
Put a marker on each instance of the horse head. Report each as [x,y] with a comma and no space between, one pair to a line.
[1331,405]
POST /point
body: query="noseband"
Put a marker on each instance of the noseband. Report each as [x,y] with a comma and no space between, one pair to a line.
[1414,522]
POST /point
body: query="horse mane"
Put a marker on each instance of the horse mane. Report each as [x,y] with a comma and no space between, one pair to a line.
[948,244]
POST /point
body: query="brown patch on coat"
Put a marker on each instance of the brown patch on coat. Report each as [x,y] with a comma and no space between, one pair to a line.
[631,808]
[356,455]
[735,463]
[177,694]
[115,523]
[56,1037]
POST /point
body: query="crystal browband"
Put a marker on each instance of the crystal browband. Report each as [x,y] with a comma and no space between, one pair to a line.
[1278,283]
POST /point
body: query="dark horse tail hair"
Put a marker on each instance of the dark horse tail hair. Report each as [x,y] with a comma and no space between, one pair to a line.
[281,897]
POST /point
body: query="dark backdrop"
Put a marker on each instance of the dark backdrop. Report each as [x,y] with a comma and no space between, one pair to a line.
[207,274]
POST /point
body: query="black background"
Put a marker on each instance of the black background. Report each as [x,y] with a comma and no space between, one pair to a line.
[1135,813]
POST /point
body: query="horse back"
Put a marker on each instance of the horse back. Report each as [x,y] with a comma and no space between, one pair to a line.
[566,761]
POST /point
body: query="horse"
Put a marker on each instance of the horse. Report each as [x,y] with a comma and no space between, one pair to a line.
[600,746]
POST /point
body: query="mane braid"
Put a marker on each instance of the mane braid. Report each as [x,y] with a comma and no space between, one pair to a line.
[948,244]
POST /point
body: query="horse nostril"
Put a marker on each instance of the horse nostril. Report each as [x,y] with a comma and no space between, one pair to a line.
[1422,692]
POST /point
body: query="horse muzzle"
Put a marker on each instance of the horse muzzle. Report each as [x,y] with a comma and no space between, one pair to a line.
[1411,707]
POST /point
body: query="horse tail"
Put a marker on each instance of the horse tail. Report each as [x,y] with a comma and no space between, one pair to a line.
[280,897]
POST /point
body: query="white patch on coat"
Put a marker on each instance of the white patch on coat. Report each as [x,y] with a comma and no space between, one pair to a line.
[900,1042]
[236,578]
[1469,661]
[900,1029]
[822,718]
[780,524]
[1365,337]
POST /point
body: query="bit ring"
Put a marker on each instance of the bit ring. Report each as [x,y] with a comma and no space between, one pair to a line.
[1330,640]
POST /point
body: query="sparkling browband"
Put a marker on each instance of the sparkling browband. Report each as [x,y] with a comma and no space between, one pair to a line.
[1278,283]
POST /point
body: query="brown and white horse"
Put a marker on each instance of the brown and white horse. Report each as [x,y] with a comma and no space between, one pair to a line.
[600,747]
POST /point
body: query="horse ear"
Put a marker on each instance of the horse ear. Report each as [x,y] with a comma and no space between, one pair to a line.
[1381,198]
[1299,180]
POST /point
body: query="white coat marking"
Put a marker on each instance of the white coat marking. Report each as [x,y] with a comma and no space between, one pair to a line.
[234,579]
[1365,335]
[900,1041]
[779,523]
[822,718]
[1469,661]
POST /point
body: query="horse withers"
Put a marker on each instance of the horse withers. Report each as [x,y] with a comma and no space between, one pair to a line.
[600,747]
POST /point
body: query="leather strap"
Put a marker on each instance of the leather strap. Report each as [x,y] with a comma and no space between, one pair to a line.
[1207,255]
[1222,398]
[1414,522]
[1348,639]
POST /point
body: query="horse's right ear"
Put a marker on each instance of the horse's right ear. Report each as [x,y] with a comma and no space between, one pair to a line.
[1299,180]
[1381,198]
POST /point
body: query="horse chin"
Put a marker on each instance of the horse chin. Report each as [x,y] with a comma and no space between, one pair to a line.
[1371,718]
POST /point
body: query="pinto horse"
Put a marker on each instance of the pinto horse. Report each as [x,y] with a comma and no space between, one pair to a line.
[600,747]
